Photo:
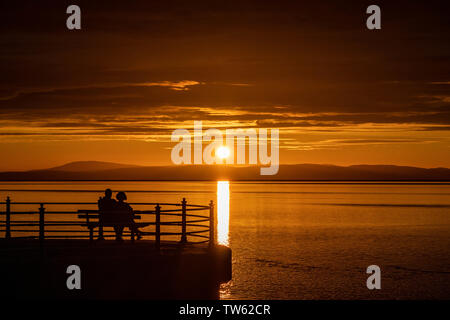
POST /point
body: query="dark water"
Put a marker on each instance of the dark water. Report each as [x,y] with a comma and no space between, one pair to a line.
[308,240]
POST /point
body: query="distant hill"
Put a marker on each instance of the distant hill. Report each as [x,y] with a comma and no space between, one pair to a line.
[83,166]
[94,170]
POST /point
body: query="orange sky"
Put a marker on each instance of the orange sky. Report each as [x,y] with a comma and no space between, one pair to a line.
[115,90]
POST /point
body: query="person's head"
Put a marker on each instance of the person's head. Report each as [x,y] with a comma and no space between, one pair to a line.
[108,193]
[121,196]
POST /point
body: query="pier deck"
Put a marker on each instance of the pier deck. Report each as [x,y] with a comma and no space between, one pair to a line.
[111,270]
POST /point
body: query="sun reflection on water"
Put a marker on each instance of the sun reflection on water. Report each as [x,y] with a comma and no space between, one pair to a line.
[223,211]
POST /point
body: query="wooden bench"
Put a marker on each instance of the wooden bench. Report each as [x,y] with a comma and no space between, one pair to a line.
[92,218]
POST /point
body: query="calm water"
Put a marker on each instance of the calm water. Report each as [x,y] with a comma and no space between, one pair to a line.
[308,240]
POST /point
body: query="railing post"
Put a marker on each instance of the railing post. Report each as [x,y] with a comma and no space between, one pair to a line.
[158,226]
[100,221]
[8,218]
[212,225]
[41,223]
[183,221]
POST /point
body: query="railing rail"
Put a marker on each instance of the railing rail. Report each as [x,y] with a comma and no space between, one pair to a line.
[192,225]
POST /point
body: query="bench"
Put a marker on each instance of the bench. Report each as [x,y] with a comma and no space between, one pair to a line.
[92,218]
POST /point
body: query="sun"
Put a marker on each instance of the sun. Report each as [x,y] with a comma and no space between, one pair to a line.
[222,152]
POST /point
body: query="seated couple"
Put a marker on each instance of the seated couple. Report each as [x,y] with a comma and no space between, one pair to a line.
[117,214]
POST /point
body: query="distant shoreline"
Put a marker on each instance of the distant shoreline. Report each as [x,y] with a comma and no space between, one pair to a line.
[265,181]
[106,171]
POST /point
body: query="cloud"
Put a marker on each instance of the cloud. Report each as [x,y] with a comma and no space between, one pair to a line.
[180,85]
[340,143]
[174,85]
[142,70]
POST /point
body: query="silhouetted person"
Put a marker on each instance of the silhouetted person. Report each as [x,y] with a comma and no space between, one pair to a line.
[107,208]
[126,214]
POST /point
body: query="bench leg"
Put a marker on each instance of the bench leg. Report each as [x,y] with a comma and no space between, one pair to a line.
[100,232]
[91,234]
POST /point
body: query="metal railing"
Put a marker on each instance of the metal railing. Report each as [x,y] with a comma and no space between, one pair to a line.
[191,225]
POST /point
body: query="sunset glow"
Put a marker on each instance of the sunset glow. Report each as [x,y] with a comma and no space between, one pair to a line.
[248,151]
[336,99]
[223,152]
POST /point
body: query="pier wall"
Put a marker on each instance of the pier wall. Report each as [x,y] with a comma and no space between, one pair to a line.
[112,271]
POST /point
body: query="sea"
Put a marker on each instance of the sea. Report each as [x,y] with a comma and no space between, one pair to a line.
[298,240]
